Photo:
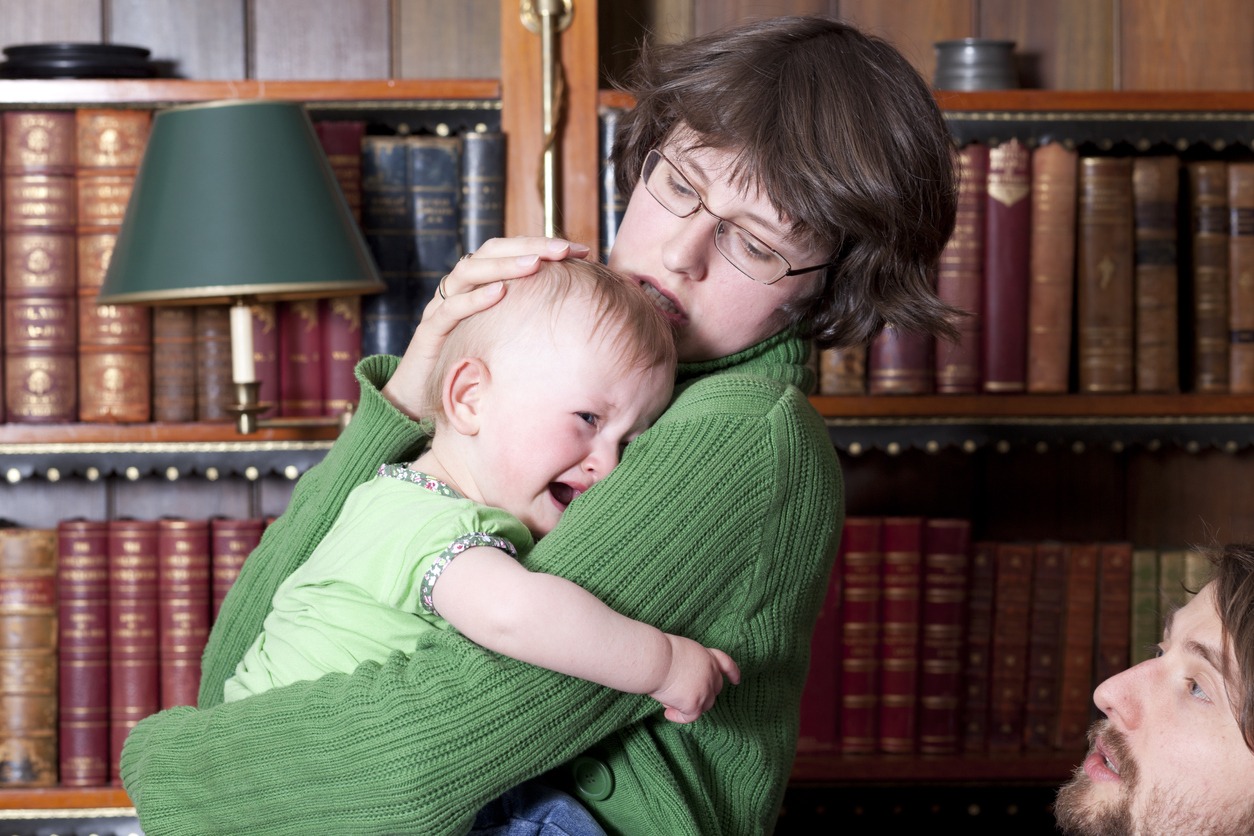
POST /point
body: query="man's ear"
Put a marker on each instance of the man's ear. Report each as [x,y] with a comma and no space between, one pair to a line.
[462,394]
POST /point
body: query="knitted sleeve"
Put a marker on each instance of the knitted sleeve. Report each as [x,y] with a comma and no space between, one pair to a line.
[420,743]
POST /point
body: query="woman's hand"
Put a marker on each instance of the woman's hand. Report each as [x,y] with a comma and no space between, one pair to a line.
[474,285]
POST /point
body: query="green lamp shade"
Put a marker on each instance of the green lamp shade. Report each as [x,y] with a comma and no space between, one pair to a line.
[236,200]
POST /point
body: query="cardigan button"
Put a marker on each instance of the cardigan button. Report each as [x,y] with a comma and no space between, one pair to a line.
[593,779]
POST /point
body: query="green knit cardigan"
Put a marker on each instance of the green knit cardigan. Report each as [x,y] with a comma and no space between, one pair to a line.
[720,524]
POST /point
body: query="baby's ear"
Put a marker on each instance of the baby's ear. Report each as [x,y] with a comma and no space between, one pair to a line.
[462,394]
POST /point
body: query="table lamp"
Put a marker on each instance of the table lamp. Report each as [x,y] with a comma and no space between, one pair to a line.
[235,202]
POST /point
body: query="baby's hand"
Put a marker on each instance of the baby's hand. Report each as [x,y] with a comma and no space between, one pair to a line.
[695,678]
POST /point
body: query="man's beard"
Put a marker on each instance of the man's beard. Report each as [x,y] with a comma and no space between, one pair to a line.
[1081,815]
[1078,814]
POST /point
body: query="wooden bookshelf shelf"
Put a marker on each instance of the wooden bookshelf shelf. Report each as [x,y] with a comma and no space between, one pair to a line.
[979,408]
[65,798]
[820,768]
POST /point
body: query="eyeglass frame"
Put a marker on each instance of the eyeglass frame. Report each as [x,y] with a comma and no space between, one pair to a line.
[647,167]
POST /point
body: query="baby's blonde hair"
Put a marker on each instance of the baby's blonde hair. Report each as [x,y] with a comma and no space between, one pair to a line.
[622,314]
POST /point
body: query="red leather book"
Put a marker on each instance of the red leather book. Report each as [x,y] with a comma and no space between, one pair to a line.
[946,569]
[83,622]
[978,646]
[842,371]
[1051,257]
[1012,598]
[265,316]
[114,341]
[1241,277]
[1075,688]
[134,686]
[1114,610]
[1155,193]
[901,587]
[28,656]
[215,391]
[1208,201]
[231,541]
[1008,229]
[339,322]
[859,634]
[184,589]
[960,278]
[341,142]
[300,359]
[174,363]
[820,698]
[1104,275]
[1045,646]
[40,322]
[900,363]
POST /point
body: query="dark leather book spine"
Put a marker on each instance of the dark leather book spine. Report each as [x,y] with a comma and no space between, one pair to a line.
[1241,277]
[483,188]
[300,359]
[1155,196]
[859,634]
[820,700]
[1114,610]
[1208,199]
[341,142]
[265,316]
[1051,256]
[340,325]
[114,341]
[900,363]
[387,223]
[434,181]
[28,657]
[1012,597]
[1045,646]
[946,570]
[174,364]
[1075,688]
[842,371]
[1104,275]
[214,389]
[40,320]
[184,603]
[900,589]
[134,661]
[231,541]
[960,278]
[83,630]
[978,646]
[1146,628]
[1008,229]
[613,203]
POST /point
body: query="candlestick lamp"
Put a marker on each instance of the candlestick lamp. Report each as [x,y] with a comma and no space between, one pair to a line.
[235,202]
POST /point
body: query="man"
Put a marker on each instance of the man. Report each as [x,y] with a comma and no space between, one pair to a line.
[1175,753]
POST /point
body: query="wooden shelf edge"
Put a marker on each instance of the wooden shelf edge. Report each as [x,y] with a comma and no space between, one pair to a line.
[138,434]
[51,92]
[1073,406]
[65,798]
[1153,101]
[826,768]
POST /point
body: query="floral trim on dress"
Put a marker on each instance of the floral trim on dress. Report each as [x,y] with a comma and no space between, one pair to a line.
[465,541]
[458,546]
[422,480]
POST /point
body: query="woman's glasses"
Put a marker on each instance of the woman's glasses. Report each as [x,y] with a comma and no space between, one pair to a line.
[744,250]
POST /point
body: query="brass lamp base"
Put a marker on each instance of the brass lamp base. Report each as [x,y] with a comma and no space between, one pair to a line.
[248,407]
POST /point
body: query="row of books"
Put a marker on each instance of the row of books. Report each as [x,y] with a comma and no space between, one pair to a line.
[101,624]
[1083,271]
[422,200]
[929,643]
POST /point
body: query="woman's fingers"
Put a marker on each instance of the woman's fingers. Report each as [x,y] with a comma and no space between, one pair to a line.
[506,258]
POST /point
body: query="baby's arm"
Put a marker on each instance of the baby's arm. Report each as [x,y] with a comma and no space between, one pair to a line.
[551,622]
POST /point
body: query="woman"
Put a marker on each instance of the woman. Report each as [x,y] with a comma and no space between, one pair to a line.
[789,179]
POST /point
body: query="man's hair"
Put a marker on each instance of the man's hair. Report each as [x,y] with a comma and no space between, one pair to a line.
[621,314]
[1233,568]
[843,137]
